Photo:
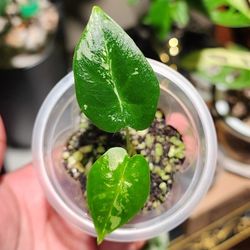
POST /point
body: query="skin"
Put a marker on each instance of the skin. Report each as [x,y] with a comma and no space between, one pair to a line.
[28,222]
[180,122]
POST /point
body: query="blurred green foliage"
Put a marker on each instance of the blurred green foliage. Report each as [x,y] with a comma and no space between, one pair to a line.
[3,4]
[163,14]
[30,9]
[229,13]
[229,67]
[27,10]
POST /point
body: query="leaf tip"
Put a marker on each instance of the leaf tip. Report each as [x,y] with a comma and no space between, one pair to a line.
[96,9]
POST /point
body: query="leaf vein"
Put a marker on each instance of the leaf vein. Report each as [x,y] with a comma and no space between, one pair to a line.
[113,82]
[116,197]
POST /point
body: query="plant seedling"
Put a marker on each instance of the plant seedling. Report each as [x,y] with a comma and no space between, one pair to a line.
[116,88]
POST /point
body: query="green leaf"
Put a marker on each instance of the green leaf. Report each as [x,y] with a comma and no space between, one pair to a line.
[117,188]
[227,67]
[159,18]
[115,85]
[230,13]
[179,13]
[231,78]
[162,14]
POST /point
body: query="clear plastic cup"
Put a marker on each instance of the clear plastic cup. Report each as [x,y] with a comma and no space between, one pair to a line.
[59,117]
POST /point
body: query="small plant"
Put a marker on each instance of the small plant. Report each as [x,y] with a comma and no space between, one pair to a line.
[116,89]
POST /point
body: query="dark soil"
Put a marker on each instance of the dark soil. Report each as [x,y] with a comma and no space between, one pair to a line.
[160,144]
[239,104]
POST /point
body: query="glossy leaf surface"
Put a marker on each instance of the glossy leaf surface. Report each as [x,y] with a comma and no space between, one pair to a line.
[117,188]
[115,85]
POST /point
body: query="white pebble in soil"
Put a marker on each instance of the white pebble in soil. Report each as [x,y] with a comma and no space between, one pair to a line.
[222,107]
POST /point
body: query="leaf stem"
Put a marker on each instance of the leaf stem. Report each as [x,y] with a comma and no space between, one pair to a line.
[129,146]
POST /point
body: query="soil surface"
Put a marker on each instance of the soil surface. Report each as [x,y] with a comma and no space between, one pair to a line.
[161,145]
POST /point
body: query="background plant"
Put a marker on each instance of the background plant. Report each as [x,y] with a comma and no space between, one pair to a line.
[221,66]
[162,15]
[26,10]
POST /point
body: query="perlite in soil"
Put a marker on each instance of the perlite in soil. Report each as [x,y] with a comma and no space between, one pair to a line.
[160,144]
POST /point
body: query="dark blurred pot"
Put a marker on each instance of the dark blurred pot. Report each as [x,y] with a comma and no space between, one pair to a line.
[233,133]
[23,90]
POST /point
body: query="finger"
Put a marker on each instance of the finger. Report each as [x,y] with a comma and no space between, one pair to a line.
[179,122]
[108,245]
[182,125]
[39,215]
[2,142]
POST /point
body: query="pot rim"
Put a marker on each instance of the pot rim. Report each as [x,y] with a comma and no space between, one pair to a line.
[152,227]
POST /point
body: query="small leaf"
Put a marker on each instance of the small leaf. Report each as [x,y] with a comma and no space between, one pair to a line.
[115,85]
[229,13]
[117,188]
[231,78]
[179,13]
[159,18]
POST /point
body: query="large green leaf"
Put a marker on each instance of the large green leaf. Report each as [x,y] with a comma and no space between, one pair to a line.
[117,188]
[231,13]
[115,85]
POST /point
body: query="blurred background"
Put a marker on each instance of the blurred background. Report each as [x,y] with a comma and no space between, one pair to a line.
[208,41]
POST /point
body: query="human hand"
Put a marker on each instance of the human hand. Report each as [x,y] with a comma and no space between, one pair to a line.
[28,222]
[181,123]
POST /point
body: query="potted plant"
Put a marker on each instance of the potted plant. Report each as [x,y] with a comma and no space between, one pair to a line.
[117,88]
[179,26]
[29,49]
[227,69]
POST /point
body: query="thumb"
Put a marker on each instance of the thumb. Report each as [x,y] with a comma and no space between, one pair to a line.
[2,142]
